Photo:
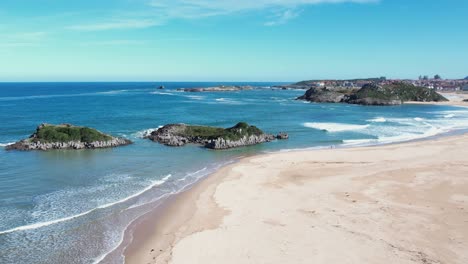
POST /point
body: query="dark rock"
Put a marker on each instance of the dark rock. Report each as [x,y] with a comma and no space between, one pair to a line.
[282,136]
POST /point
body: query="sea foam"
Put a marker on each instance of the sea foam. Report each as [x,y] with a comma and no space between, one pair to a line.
[335,127]
[2,145]
[145,132]
[64,219]
[378,120]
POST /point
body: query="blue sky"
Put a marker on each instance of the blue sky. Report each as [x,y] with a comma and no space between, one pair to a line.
[231,40]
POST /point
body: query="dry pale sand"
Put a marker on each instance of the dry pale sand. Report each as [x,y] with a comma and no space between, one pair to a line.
[455,99]
[403,203]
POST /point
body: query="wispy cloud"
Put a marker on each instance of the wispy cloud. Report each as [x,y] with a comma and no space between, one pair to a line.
[207,8]
[116,24]
[283,17]
[159,12]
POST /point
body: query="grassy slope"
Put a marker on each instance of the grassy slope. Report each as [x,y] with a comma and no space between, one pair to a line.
[402,91]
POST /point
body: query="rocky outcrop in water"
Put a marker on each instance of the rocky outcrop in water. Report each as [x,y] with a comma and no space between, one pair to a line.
[66,136]
[222,88]
[373,94]
[282,136]
[242,134]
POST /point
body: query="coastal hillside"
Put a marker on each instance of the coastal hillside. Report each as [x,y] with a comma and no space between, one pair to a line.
[373,94]
[66,136]
[242,134]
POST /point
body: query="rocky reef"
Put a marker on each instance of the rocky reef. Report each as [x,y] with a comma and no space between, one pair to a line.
[372,94]
[221,88]
[66,136]
[239,135]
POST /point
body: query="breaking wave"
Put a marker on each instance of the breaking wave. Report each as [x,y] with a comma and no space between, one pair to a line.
[335,127]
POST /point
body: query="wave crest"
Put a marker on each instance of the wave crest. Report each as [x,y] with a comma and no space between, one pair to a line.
[335,127]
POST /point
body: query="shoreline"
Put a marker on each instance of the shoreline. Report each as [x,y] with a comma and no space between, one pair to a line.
[185,214]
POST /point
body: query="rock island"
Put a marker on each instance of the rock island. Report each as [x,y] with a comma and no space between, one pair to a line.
[239,135]
[66,136]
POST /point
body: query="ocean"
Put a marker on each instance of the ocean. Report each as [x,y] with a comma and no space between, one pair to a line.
[69,206]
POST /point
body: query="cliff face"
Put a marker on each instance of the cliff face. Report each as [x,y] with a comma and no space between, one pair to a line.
[372,94]
[67,136]
[212,137]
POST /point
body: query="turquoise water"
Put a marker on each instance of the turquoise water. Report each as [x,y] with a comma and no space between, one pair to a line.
[73,206]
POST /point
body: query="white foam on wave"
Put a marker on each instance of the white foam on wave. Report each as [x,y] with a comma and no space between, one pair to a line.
[64,219]
[360,142]
[30,97]
[419,119]
[145,132]
[162,93]
[195,97]
[378,120]
[2,145]
[449,116]
[113,92]
[335,127]
[228,101]
[399,136]
[192,174]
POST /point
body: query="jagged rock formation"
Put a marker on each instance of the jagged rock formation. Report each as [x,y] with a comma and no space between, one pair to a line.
[373,94]
[221,143]
[240,135]
[66,136]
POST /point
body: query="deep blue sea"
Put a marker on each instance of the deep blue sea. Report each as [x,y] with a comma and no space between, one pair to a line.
[69,206]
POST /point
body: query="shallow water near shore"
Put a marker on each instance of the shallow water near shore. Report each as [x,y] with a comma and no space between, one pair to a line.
[73,206]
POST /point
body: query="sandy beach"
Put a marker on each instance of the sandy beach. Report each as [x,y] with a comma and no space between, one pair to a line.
[455,99]
[402,203]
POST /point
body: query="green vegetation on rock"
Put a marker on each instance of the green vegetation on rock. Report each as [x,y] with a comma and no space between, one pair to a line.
[409,92]
[373,94]
[311,82]
[233,133]
[67,133]
[400,91]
